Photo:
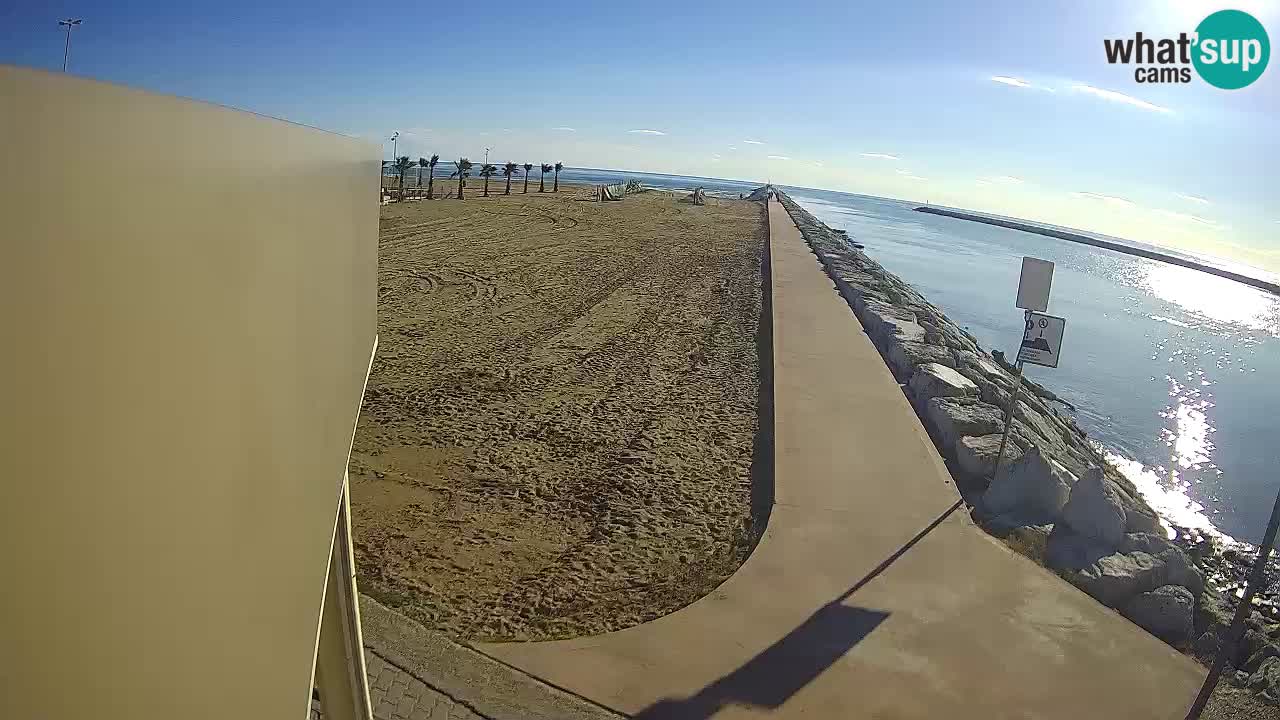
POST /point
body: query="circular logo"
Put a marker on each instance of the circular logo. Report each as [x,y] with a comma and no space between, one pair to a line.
[1232,49]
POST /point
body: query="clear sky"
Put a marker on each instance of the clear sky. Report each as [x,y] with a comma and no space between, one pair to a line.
[887,98]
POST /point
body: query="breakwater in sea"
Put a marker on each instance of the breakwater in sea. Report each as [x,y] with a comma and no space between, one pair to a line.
[1056,499]
[1098,242]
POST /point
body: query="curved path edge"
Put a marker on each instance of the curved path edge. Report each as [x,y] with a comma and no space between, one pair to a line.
[871,593]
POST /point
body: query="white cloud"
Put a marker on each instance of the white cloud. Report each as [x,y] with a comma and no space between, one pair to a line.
[818,164]
[564,129]
[1109,199]
[1119,97]
[731,147]
[1193,199]
[1006,80]
[647,132]
[910,176]
[880,156]
[715,158]
[779,157]
[416,131]
[1001,179]
[1185,217]
[903,172]
[753,142]
[1020,83]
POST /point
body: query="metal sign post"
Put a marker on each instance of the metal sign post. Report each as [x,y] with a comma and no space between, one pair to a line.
[1033,297]
[1243,609]
[1008,412]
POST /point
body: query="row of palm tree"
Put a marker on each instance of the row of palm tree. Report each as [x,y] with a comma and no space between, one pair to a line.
[403,164]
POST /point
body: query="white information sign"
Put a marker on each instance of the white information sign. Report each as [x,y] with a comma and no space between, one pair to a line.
[1042,340]
[1034,284]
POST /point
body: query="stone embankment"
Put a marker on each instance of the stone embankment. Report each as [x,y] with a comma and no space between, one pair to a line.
[1056,498]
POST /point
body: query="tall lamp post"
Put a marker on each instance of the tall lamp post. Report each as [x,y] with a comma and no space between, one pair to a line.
[395,137]
[68,24]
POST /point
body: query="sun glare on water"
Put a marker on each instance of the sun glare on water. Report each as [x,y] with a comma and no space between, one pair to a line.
[1213,298]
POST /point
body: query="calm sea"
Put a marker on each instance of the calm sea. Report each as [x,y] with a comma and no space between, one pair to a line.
[1173,370]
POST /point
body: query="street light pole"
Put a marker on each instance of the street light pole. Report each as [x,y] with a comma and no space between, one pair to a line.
[66,51]
[395,137]
[486,156]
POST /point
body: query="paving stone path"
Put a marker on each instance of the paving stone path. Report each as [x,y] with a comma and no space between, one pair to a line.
[398,695]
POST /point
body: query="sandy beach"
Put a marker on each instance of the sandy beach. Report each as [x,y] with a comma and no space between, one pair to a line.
[558,430]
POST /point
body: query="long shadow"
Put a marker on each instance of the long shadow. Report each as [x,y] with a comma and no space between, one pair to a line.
[770,678]
[762,450]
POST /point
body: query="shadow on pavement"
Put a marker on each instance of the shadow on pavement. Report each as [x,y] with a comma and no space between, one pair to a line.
[762,449]
[769,679]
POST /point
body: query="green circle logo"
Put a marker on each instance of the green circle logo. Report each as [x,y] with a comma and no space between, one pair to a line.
[1232,49]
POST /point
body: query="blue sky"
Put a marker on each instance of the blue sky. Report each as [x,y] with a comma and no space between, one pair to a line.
[888,98]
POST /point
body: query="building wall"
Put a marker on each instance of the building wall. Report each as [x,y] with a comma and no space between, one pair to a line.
[187,327]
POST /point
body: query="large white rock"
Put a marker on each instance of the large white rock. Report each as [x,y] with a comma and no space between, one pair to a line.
[1033,489]
[887,323]
[901,331]
[1180,570]
[989,368]
[1067,550]
[953,418]
[976,456]
[1138,520]
[1166,612]
[1114,579]
[903,357]
[1146,542]
[1266,680]
[932,380]
[1094,509]
[1037,422]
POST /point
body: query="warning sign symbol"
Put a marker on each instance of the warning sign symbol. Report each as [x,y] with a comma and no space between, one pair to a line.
[1042,339]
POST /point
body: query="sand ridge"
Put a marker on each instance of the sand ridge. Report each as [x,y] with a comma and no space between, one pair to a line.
[558,429]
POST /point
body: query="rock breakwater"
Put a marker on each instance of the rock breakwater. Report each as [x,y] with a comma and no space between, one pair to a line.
[1056,499]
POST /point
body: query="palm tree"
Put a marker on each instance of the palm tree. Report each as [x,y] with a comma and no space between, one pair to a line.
[559,167]
[528,168]
[487,171]
[431,175]
[509,169]
[402,166]
[464,169]
[542,187]
[422,162]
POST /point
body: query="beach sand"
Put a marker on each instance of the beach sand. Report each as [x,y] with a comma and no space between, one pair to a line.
[558,429]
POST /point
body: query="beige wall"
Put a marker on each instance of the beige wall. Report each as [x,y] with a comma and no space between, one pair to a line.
[187,302]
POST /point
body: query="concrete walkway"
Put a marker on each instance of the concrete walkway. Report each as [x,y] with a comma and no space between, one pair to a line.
[871,595]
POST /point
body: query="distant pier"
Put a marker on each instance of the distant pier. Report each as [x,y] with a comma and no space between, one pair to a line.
[1086,240]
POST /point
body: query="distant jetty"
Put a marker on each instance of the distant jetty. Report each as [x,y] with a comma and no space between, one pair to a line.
[1086,240]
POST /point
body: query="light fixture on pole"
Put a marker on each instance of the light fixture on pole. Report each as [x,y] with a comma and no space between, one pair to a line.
[395,136]
[66,51]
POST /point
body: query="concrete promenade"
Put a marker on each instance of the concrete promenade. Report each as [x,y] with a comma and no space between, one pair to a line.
[871,594]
